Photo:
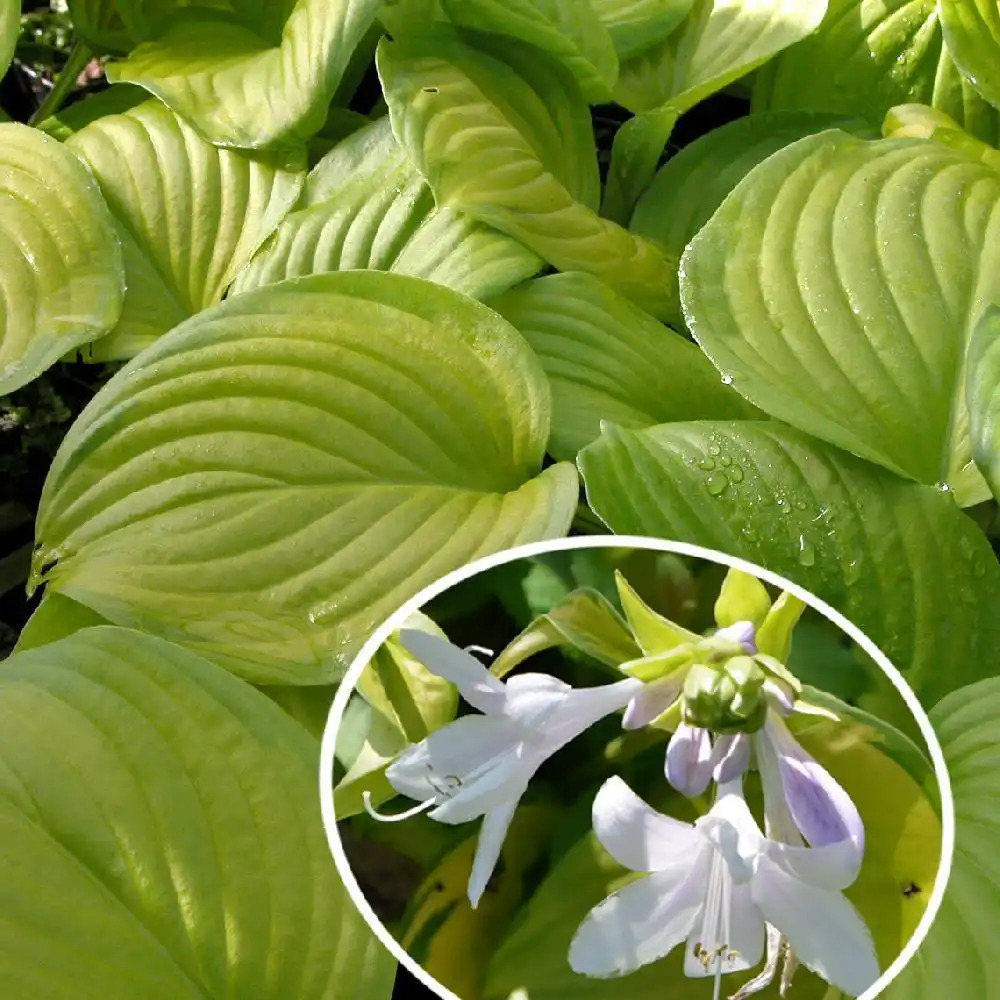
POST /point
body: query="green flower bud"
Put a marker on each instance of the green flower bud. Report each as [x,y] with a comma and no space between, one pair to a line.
[725,698]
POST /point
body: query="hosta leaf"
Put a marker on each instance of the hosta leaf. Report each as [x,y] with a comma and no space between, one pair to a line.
[112,101]
[272,478]
[366,206]
[957,956]
[837,286]
[606,359]
[570,30]
[635,25]
[720,41]
[55,618]
[241,82]
[160,823]
[870,55]
[502,133]
[61,278]
[686,192]
[10,26]
[903,844]
[972,34]
[100,24]
[873,545]
[984,396]
[190,214]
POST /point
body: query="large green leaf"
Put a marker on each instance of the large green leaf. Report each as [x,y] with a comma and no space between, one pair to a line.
[720,41]
[502,132]
[837,286]
[272,478]
[687,191]
[161,836]
[570,30]
[635,25]
[870,55]
[606,359]
[903,846]
[100,24]
[365,206]
[190,215]
[972,34]
[984,396]
[262,76]
[958,957]
[61,277]
[10,26]
[873,545]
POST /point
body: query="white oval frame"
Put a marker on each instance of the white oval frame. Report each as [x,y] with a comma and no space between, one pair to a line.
[395,620]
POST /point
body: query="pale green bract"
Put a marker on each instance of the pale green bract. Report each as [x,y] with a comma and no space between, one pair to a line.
[61,277]
[608,360]
[837,287]
[189,215]
[273,477]
[162,820]
[502,133]
[870,55]
[365,206]
[254,80]
[874,546]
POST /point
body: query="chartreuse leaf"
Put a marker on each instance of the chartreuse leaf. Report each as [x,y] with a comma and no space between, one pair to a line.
[10,27]
[867,57]
[501,132]
[972,34]
[607,359]
[569,30]
[366,206]
[957,957]
[923,122]
[635,25]
[903,845]
[55,618]
[837,287]
[260,75]
[190,215]
[689,188]
[168,846]
[874,546]
[983,391]
[61,277]
[720,41]
[111,101]
[269,480]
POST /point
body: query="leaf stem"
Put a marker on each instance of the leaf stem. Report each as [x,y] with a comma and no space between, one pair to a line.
[79,56]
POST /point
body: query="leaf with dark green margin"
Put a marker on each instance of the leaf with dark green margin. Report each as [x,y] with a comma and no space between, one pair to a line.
[635,25]
[983,393]
[606,359]
[10,27]
[365,206]
[868,57]
[874,546]
[268,481]
[569,30]
[720,41]
[501,131]
[958,956]
[687,191]
[837,286]
[61,276]
[243,79]
[190,215]
[161,821]
[903,844]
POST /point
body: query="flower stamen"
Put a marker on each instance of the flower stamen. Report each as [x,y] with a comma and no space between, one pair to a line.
[366,799]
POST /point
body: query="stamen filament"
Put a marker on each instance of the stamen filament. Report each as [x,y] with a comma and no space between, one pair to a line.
[366,799]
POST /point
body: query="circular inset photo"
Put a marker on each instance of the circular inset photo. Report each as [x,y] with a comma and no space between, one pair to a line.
[623,769]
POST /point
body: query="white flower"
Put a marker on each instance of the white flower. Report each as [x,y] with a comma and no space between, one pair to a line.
[480,765]
[715,885]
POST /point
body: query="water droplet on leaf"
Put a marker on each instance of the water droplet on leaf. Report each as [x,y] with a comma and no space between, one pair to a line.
[717,484]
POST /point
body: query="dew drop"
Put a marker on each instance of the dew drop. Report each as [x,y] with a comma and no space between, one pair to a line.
[807,551]
[942,487]
[736,474]
[707,464]
[714,449]
[725,461]
[717,484]
[727,379]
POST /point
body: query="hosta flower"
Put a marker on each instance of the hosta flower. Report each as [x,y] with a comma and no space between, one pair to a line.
[480,765]
[715,886]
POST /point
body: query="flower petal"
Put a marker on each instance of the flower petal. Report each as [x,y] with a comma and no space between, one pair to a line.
[636,835]
[731,757]
[652,700]
[491,837]
[689,760]
[585,706]
[642,922]
[834,866]
[440,765]
[745,633]
[533,699]
[732,830]
[822,810]
[825,931]
[744,942]
[474,682]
